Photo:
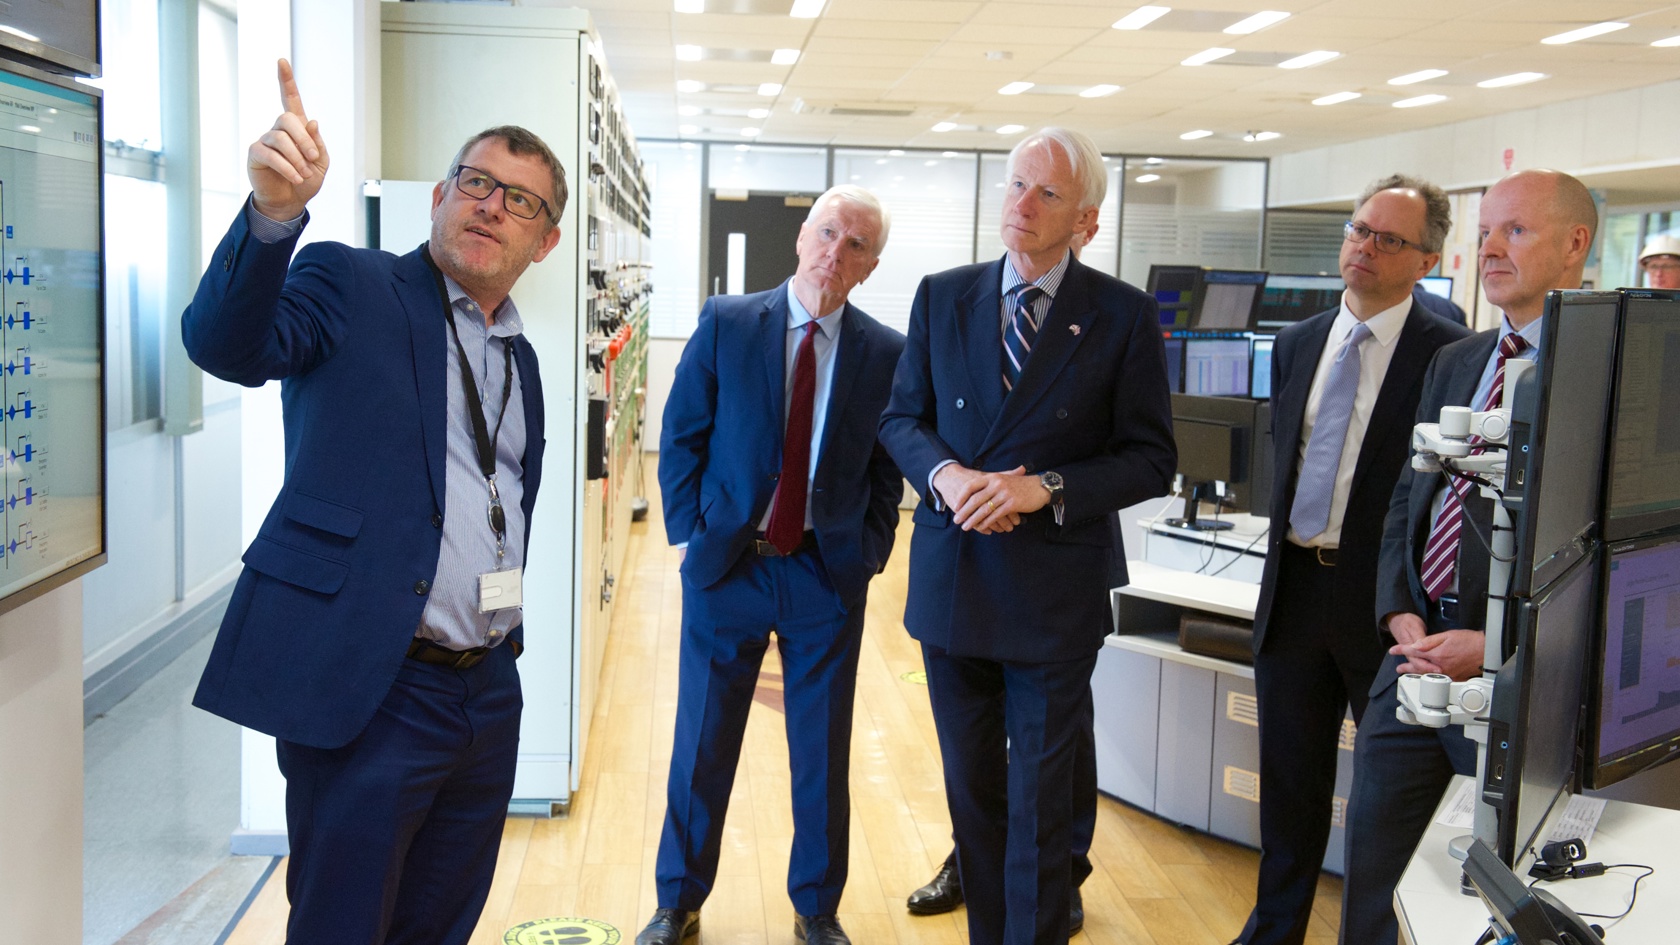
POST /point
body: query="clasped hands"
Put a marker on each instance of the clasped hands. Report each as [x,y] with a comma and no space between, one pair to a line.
[989,502]
[1454,653]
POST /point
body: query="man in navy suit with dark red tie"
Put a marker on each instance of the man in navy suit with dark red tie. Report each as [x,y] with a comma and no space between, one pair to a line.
[1031,402]
[784,504]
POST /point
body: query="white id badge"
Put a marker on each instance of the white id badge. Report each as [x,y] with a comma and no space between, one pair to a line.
[499,590]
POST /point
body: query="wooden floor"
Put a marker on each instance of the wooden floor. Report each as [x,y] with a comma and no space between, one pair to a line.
[1154,883]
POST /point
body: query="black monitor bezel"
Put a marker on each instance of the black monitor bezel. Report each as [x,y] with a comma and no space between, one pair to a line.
[1643,523]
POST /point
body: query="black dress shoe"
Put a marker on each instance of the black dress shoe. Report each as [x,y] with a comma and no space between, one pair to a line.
[942,894]
[1076,911]
[669,927]
[819,930]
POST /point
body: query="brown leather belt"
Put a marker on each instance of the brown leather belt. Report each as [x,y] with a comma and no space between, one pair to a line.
[428,652]
[807,542]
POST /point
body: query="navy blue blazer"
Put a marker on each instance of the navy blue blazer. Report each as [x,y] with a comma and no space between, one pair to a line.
[1092,405]
[334,583]
[720,443]
[1382,454]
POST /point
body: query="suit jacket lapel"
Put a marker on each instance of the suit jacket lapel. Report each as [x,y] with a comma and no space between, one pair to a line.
[981,339]
[848,361]
[416,289]
[1065,327]
[772,347]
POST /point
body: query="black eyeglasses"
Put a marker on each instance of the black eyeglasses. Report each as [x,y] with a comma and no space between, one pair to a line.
[515,200]
[1386,242]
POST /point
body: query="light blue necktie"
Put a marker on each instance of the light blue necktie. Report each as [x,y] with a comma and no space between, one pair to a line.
[1311,512]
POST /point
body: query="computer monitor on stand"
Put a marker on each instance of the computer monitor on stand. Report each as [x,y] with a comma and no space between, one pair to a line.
[1219,456]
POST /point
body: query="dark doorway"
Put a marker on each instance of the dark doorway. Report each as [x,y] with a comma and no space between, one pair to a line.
[765,227]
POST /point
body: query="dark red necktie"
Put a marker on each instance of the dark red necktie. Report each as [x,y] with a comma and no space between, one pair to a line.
[787,519]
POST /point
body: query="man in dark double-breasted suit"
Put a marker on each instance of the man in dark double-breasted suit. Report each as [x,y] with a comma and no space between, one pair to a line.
[1031,402]
[1345,385]
[785,505]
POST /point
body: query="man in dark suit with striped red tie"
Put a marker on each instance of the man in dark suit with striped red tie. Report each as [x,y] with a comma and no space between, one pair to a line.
[1536,229]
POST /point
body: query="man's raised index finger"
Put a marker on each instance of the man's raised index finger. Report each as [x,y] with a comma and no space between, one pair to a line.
[290,100]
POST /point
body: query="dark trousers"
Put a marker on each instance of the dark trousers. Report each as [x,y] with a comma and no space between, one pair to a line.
[725,631]
[1400,773]
[1313,664]
[394,836]
[1009,735]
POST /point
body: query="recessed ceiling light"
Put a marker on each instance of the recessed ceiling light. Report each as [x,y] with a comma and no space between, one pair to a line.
[752,132]
[1141,17]
[1307,60]
[758,113]
[944,126]
[1257,22]
[1154,160]
[1207,56]
[690,86]
[1585,32]
[688,53]
[691,6]
[930,162]
[770,89]
[1253,136]
[947,154]
[1419,100]
[1411,78]
[1193,135]
[784,57]
[1011,129]
[1015,88]
[1335,98]
[807,9]
[1098,91]
[1671,41]
[688,111]
[896,152]
[880,160]
[1515,78]
[688,129]
[1148,178]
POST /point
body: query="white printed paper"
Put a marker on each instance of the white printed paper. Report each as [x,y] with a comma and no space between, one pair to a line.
[1461,812]
[1579,820]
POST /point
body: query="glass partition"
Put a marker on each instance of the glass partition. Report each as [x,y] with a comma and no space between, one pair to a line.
[1197,212]
[766,168]
[673,172]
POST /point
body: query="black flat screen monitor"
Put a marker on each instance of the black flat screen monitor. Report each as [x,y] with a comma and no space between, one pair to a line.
[1174,287]
[1634,718]
[1260,368]
[1437,285]
[1539,703]
[1644,476]
[1226,439]
[1227,299]
[1175,364]
[1555,488]
[1216,367]
[1291,298]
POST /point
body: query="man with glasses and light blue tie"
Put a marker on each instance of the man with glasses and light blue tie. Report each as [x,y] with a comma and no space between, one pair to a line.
[1345,385]
[374,629]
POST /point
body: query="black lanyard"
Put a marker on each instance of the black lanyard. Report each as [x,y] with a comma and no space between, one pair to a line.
[483,438]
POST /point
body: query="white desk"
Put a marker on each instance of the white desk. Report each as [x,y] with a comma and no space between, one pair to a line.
[1433,912]
[1238,552]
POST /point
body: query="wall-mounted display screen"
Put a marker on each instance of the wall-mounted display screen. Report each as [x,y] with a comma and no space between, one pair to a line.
[52,513]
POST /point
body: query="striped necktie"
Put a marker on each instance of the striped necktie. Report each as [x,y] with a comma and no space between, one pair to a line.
[1019,333]
[1440,553]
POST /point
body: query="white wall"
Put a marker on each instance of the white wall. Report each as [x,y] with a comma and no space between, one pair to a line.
[1616,131]
[41,770]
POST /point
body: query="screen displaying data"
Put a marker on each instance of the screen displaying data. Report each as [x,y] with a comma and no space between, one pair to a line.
[1216,367]
[1645,459]
[51,428]
[1640,689]
[1260,386]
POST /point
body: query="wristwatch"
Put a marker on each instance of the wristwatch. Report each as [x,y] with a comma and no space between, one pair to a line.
[1052,482]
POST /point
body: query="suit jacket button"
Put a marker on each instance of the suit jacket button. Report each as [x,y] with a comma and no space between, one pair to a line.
[437,521]
[1061,415]
[422,586]
[960,403]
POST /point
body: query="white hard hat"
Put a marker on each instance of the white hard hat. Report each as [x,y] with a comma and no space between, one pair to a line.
[1664,245]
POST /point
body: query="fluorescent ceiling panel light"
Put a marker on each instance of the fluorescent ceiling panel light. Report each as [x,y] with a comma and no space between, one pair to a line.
[947,154]
[1317,57]
[944,126]
[1148,178]
[1671,41]
[930,162]
[784,57]
[1098,91]
[1141,17]
[807,9]
[1011,129]
[688,129]
[1412,78]
[688,53]
[1585,32]
[1193,135]
[1335,98]
[1154,160]
[1419,100]
[896,152]
[691,6]
[1262,136]
[770,89]
[758,113]
[1515,78]
[1207,56]
[1015,88]
[690,86]
[1257,22]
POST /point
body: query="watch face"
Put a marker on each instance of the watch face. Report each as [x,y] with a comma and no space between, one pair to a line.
[1051,480]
